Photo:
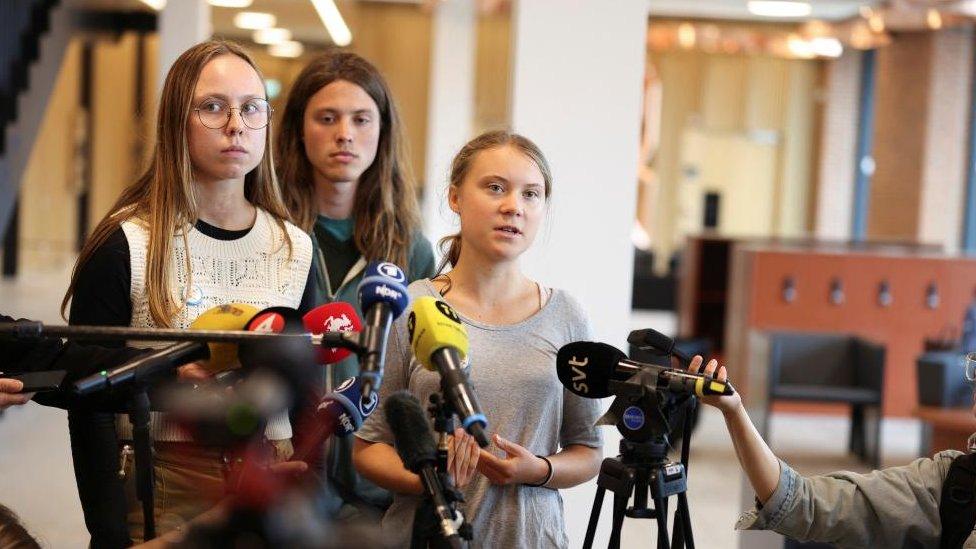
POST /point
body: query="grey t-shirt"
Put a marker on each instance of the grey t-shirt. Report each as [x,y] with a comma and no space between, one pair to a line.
[513,371]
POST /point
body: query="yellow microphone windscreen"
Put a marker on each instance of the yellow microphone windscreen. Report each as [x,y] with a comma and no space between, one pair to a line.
[233,316]
[433,324]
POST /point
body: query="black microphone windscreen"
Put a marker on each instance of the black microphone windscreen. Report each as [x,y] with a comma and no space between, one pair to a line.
[585,368]
[651,338]
[411,430]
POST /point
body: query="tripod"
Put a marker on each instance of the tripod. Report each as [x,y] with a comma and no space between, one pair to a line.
[642,468]
[429,522]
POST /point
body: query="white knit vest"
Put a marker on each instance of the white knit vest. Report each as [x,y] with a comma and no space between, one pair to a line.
[254,269]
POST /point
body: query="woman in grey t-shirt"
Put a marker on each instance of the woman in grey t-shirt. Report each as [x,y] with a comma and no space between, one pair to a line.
[544,437]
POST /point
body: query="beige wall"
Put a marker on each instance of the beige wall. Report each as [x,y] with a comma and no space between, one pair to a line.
[396,38]
[50,186]
[903,70]
[115,154]
[493,72]
[754,120]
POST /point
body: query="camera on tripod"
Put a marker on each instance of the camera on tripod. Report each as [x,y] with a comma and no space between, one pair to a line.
[646,398]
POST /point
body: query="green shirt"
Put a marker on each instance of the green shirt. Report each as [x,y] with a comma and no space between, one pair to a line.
[338,267]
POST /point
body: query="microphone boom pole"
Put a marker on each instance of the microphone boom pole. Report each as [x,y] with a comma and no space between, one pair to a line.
[30,329]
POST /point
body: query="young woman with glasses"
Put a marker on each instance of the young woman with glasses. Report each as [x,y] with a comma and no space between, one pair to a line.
[204,225]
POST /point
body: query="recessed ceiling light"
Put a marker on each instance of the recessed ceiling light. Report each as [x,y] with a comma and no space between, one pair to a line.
[290,48]
[272,36]
[332,19]
[779,8]
[230,3]
[254,20]
[155,4]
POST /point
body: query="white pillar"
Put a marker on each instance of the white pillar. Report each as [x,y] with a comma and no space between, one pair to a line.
[450,107]
[578,71]
[182,23]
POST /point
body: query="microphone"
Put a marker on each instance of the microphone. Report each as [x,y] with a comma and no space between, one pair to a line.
[590,370]
[339,413]
[440,344]
[288,358]
[382,297]
[232,316]
[333,318]
[143,368]
[658,341]
[416,448]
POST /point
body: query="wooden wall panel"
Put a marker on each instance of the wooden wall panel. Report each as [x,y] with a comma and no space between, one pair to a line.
[756,304]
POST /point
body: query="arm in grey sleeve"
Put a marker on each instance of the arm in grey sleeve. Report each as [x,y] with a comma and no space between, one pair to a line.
[395,378]
[894,507]
[580,414]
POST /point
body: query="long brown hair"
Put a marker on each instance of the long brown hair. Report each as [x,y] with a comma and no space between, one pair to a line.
[451,245]
[164,197]
[385,210]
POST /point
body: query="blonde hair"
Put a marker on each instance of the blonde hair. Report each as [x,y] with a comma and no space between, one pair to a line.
[451,245]
[164,197]
[385,209]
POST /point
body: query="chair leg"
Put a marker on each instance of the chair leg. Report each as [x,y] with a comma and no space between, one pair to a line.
[857,441]
[874,438]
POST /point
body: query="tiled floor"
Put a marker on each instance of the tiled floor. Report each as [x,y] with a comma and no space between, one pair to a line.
[37,481]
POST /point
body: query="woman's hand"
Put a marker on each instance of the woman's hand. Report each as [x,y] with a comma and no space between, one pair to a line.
[519,466]
[10,394]
[462,457]
[193,371]
[283,450]
[726,404]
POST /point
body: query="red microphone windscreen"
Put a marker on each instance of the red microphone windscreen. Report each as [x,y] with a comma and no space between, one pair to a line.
[332,317]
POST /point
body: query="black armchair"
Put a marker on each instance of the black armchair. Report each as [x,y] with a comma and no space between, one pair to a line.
[825,367]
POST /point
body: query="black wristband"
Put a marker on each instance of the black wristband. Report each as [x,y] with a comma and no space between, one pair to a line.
[548,475]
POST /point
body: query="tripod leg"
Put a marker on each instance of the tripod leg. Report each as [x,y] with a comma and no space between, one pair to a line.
[619,506]
[661,508]
[688,539]
[141,439]
[678,528]
[594,517]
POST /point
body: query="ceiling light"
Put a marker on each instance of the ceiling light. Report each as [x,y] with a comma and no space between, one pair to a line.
[254,20]
[876,23]
[800,48]
[230,3]
[826,47]
[686,35]
[934,19]
[155,4]
[272,36]
[778,8]
[333,22]
[290,48]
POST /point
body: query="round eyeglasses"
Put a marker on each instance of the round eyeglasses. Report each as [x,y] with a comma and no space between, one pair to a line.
[215,113]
